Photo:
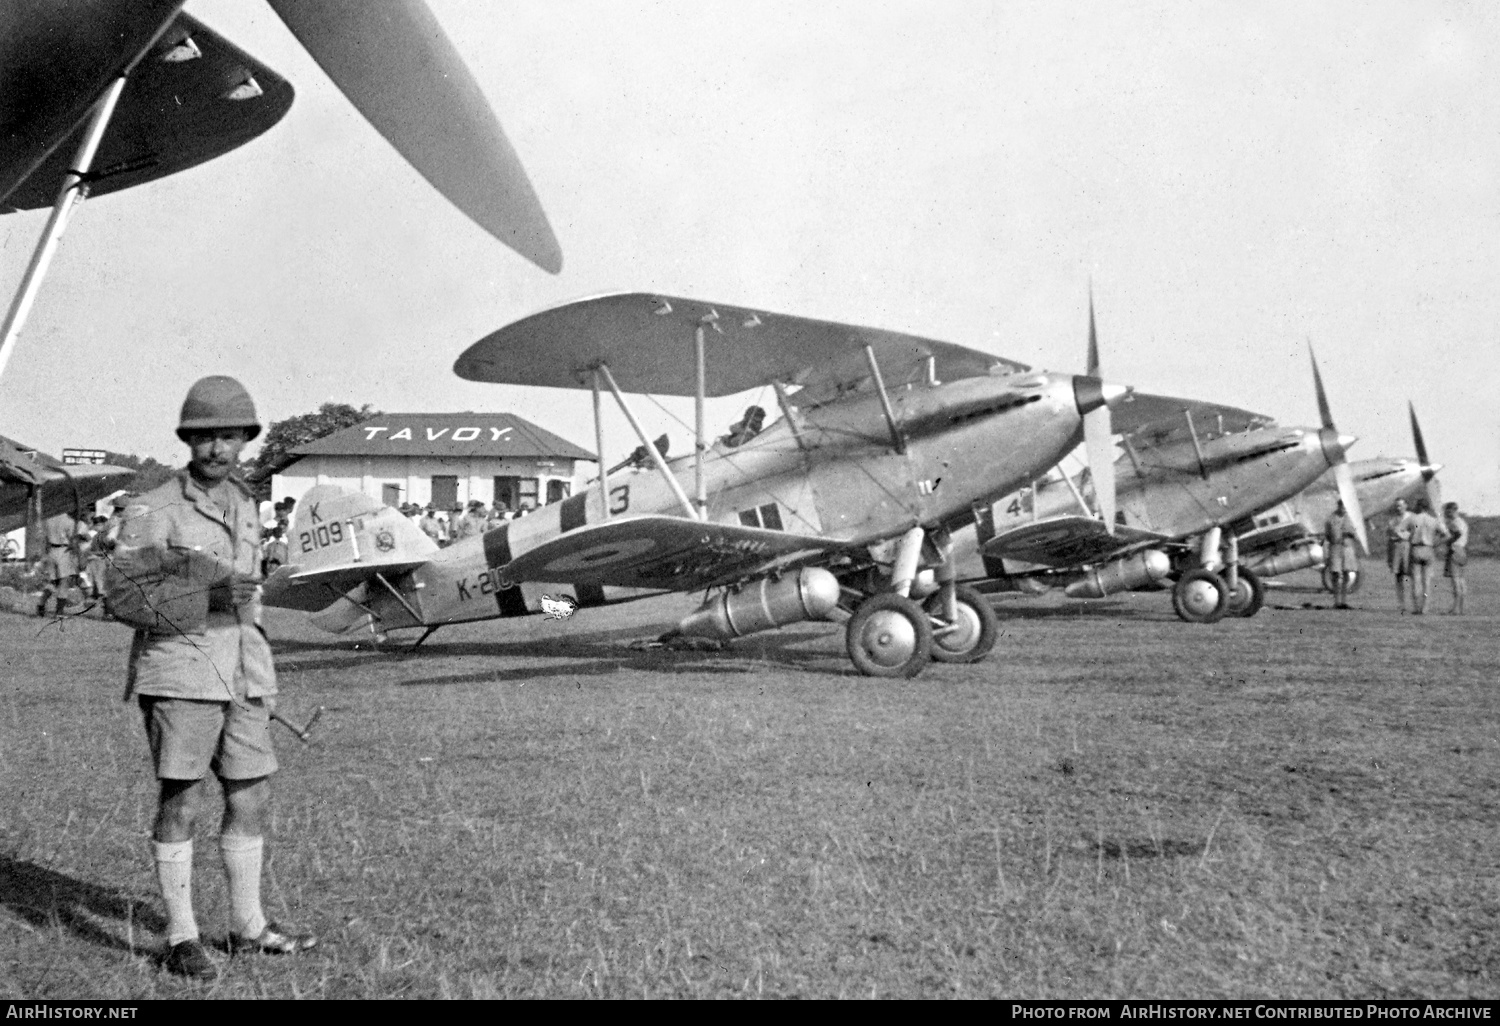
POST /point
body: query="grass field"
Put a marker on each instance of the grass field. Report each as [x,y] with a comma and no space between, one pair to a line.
[1116,804]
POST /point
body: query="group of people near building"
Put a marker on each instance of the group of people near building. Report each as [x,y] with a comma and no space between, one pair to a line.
[447,527]
[1415,541]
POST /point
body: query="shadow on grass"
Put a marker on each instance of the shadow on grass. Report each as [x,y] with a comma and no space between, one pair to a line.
[1142,848]
[99,915]
[597,653]
[603,659]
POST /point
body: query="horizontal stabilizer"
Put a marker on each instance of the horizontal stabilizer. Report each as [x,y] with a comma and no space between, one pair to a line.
[671,553]
[1067,541]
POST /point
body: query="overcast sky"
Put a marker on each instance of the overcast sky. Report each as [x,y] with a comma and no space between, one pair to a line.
[1236,178]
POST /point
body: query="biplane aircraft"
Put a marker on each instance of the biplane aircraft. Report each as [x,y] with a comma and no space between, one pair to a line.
[1289,535]
[34,486]
[100,95]
[1192,477]
[884,444]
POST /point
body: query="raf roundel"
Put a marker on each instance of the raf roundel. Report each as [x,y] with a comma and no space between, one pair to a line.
[385,541]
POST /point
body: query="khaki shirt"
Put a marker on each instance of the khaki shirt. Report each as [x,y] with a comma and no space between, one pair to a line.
[170,578]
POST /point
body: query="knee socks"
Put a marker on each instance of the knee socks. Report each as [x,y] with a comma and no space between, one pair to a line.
[242,860]
[174,871]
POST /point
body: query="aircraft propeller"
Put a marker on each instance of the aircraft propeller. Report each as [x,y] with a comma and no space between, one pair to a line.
[1334,446]
[1098,430]
[1429,469]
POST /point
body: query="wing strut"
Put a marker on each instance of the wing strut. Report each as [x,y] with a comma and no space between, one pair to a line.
[1076,494]
[74,187]
[599,450]
[1135,460]
[785,402]
[700,495]
[1197,447]
[897,442]
[661,464]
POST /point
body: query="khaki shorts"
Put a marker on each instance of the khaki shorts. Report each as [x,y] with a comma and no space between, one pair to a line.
[189,738]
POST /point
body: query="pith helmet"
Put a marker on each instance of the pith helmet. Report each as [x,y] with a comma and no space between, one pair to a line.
[217,402]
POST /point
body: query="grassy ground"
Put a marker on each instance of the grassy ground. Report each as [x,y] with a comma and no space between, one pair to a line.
[1116,804]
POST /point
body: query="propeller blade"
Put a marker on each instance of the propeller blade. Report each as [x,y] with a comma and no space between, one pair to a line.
[1098,437]
[1323,410]
[1350,497]
[1093,365]
[1429,472]
[396,66]
[1098,442]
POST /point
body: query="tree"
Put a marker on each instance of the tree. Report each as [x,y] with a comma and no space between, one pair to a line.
[148,471]
[285,435]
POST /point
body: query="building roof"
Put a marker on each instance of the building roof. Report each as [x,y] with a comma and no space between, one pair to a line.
[445,434]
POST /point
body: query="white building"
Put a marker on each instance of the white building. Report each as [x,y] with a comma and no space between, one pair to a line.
[446,459]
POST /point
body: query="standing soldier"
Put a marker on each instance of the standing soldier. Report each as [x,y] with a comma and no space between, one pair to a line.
[1426,529]
[1458,555]
[184,574]
[60,565]
[1343,558]
[1398,550]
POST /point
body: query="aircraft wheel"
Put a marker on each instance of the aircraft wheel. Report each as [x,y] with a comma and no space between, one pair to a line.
[889,636]
[1200,596]
[1248,596]
[972,636]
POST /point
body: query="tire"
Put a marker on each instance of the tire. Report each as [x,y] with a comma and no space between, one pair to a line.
[1246,600]
[889,636]
[1199,596]
[975,634]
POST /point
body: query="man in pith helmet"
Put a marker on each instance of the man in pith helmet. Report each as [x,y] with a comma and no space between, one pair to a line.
[185,574]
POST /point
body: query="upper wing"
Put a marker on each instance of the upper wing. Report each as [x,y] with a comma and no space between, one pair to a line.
[648,343]
[661,552]
[1067,541]
[63,488]
[1158,419]
[193,96]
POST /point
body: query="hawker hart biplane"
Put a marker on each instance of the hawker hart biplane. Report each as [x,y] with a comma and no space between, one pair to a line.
[848,500]
[1192,477]
[34,486]
[1289,535]
[100,95]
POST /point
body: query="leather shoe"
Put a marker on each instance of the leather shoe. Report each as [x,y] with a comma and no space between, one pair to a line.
[191,959]
[273,940]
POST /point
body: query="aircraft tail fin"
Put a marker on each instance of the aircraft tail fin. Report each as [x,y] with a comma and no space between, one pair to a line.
[340,540]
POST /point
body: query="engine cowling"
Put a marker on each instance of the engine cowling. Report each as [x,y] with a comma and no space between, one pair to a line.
[1138,571]
[809,594]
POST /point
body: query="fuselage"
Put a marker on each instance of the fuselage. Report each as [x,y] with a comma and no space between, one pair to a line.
[833,472]
[1164,489]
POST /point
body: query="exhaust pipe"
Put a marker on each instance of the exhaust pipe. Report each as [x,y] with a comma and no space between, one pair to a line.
[810,594]
[1141,569]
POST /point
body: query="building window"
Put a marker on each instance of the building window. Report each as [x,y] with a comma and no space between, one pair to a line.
[557,491]
[516,492]
[390,494]
[444,491]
